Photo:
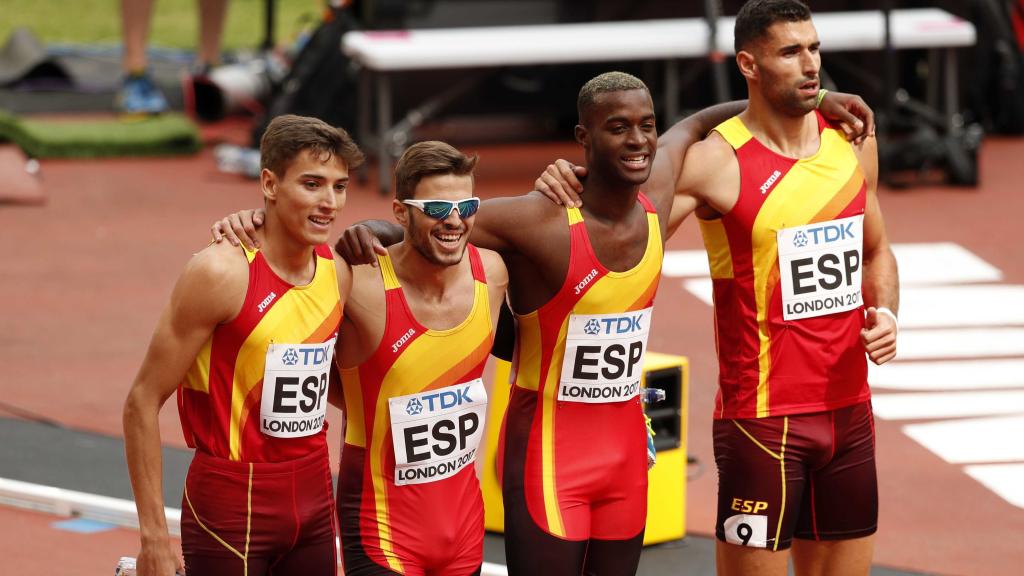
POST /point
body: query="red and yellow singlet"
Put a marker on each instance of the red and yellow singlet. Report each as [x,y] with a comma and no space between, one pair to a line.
[786,267]
[257,391]
[408,496]
[574,439]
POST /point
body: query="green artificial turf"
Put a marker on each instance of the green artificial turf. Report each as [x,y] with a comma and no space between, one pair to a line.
[174,25]
[167,134]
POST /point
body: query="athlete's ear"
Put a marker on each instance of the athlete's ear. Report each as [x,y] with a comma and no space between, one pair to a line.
[268,184]
[747,64]
[581,135]
[401,212]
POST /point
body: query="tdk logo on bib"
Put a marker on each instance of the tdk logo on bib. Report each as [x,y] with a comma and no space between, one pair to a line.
[437,433]
[414,407]
[603,355]
[820,267]
[290,358]
[827,234]
[295,380]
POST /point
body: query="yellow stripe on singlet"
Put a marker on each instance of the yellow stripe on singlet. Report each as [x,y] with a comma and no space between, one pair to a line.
[796,199]
[419,358]
[283,321]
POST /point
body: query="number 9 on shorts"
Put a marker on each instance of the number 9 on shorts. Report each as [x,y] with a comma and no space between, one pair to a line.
[747,530]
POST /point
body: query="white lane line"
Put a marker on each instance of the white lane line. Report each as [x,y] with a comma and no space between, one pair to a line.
[913,405]
[1006,480]
[685,264]
[959,343]
[941,263]
[975,440]
[938,307]
[702,288]
[948,375]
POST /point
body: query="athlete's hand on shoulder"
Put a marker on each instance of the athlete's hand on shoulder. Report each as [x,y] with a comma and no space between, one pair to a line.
[359,245]
[854,115]
[560,183]
[239,227]
[158,559]
[879,336]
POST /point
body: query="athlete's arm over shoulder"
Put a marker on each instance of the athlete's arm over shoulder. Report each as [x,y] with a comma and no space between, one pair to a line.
[210,291]
[504,224]
[673,145]
[710,178]
[880,279]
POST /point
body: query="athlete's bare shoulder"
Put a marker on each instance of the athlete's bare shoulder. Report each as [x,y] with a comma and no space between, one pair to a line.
[512,223]
[215,280]
[494,268]
[703,163]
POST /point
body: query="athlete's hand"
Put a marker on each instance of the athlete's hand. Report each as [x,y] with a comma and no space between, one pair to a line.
[560,183]
[358,245]
[854,115]
[879,336]
[239,227]
[158,560]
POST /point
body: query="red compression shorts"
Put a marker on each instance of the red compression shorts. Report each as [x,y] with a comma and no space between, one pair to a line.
[257,518]
[808,476]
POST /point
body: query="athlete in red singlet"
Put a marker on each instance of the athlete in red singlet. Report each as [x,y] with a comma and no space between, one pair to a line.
[581,283]
[416,337]
[247,341]
[797,249]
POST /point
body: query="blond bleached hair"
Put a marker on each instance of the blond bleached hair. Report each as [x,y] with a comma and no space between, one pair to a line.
[603,84]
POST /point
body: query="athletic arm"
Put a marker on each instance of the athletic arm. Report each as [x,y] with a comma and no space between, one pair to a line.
[709,176]
[881,277]
[207,293]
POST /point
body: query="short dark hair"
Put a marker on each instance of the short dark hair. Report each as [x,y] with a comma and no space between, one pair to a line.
[603,84]
[756,16]
[430,158]
[288,135]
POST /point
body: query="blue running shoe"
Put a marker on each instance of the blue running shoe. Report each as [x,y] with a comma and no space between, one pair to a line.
[139,95]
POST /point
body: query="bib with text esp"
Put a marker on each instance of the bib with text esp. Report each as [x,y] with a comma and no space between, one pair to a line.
[295,380]
[604,356]
[820,267]
[437,433]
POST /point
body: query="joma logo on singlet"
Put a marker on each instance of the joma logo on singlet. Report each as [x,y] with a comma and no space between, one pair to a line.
[583,283]
[770,181]
[266,302]
[401,341]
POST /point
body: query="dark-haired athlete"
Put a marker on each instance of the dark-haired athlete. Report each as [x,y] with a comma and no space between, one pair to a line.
[247,342]
[797,248]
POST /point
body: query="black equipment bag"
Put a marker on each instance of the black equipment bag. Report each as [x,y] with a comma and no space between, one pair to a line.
[321,83]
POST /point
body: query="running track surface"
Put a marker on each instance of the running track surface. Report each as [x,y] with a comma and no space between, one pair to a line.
[85,277]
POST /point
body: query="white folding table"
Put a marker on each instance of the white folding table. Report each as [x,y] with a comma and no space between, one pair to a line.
[383,53]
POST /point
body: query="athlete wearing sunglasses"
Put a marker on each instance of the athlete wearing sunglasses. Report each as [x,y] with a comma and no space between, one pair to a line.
[441,209]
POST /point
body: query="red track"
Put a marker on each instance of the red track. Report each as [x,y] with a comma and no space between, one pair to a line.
[85,277]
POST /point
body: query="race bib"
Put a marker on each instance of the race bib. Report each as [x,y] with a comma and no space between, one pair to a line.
[820,267]
[295,381]
[746,530]
[603,356]
[437,433]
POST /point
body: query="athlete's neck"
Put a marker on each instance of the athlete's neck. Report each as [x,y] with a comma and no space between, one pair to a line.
[430,280]
[290,259]
[791,136]
[608,200]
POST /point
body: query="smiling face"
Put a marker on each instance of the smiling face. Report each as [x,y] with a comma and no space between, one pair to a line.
[619,135]
[782,66]
[441,242]
[308,196]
